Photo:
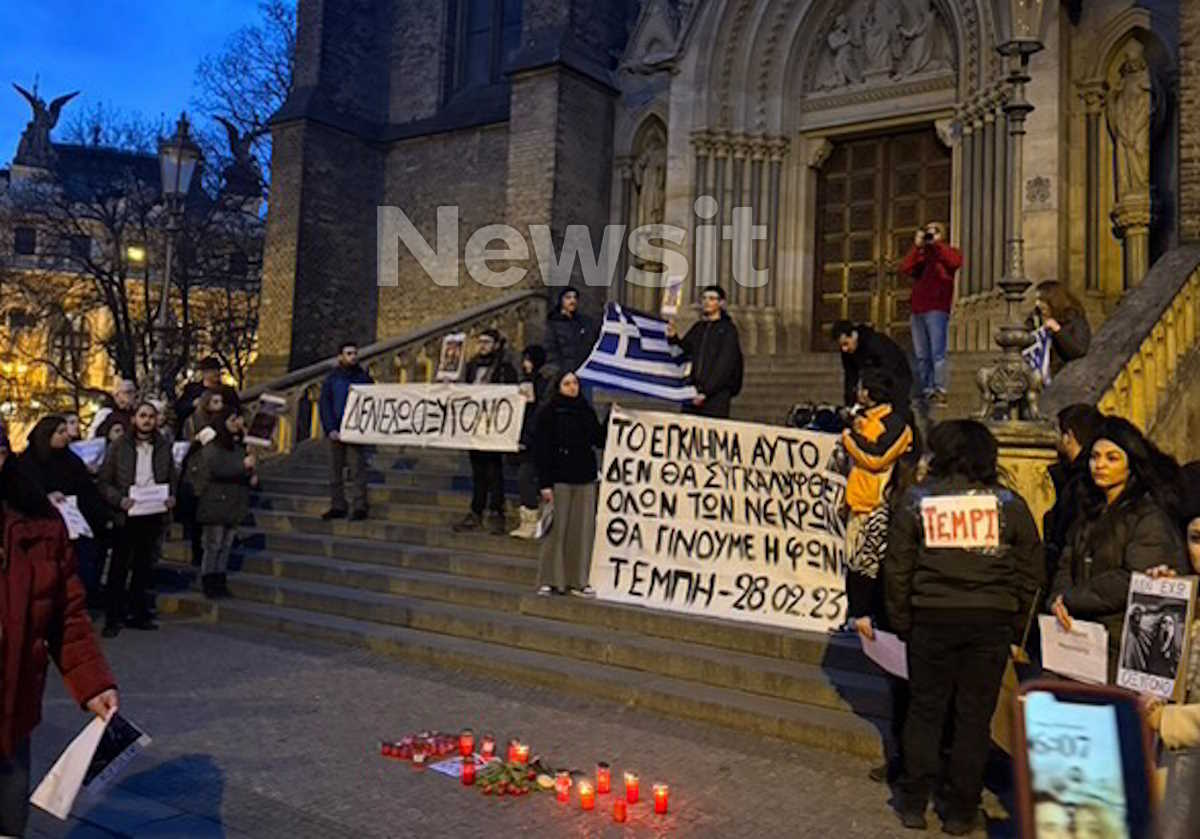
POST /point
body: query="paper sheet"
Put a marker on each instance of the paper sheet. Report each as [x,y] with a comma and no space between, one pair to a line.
[545,521]
[1081,653]
[149,500]
[179,452]
[889,652]
[76,524]
[57,792]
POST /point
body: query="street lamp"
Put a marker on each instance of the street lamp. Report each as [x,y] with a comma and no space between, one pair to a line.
[1010,386]
[178,157]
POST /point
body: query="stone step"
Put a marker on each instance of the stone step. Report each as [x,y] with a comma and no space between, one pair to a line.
[806,683]
[381,531]
[763,715]
[444,493]
[520,571]
[445,514]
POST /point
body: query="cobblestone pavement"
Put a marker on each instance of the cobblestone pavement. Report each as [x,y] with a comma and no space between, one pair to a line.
[267,736]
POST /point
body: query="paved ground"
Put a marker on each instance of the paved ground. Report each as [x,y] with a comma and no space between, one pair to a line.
[264,736]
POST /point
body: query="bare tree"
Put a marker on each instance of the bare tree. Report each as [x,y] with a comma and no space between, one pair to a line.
[250,78]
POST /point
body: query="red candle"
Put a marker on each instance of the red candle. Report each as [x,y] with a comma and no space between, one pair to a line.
[512,749]
[587,795]
[660,798]
[620,813]
[488,746]
[418,754]
[603,779]
[562,786]
[522,754]
[466,742]
[631,788]
[468,772]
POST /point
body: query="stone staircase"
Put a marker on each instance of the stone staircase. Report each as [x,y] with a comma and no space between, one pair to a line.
[404,584]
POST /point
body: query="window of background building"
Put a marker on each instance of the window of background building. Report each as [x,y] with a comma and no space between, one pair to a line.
[488,32]
[24,241]
[18,319]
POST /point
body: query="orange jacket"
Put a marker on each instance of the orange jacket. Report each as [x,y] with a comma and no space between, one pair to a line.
[876,441]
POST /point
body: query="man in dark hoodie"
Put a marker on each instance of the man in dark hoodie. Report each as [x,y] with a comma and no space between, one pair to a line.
[570,334]
[715,352]
[862,347]
[334,393]
[1078,426]
[488,367]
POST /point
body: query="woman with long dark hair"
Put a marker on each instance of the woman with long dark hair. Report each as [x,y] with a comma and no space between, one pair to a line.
[1130,523]
[566,435]
[1062,314]
[961,573]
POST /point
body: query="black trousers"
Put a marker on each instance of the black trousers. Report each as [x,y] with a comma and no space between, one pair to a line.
[716,406]
[14,791]
[951,667]
[487,482]
[135,552]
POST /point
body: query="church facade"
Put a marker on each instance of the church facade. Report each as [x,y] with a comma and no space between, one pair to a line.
[841,126]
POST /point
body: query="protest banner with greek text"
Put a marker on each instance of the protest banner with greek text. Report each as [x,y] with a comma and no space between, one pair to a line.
[723,519]
[447,416]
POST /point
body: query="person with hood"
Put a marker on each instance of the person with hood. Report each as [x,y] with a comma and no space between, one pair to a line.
[861,347]
[489,366]
[140,458]
[1129,523]
[715,353]
[222,473]
[961,574]
[335,391]
[534,384]
[570,334]
[120,410]
[43,618]
[50,465]
[193,392]
[566,435]
[932,265]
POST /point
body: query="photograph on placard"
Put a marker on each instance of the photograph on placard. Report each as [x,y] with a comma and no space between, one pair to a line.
[1157,616]
[452,358]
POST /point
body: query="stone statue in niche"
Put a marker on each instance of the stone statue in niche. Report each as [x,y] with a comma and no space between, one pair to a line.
[1130,109]
[650,180]
[875,41]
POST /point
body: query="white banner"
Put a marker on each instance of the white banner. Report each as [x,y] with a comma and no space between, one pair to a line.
[447,416]
[723,519]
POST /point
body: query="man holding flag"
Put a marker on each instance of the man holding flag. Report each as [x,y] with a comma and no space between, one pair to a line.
[715,352]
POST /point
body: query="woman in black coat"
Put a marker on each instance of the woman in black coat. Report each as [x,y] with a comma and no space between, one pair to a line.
[1129,524]
[566,434]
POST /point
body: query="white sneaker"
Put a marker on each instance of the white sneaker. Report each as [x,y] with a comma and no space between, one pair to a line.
[586,591]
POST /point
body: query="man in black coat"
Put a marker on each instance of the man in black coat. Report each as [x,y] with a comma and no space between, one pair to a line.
[1077,425]
[713,347]
[570,334]
[863,347]
[189,397]
[488,367]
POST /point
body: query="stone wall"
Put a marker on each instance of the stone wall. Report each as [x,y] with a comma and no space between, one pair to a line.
[1189,129]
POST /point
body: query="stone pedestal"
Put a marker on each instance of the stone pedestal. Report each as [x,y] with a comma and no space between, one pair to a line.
[1132,218]
[1027,451]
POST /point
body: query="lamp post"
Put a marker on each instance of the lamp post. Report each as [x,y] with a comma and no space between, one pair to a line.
[1010,387]
[178,157]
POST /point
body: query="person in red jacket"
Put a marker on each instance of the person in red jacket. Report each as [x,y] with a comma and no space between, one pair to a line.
[931,263]
[43,617]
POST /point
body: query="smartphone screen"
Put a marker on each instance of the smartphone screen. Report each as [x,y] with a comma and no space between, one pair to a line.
[1086,767]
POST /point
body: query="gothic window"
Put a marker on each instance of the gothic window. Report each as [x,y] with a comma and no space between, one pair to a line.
[24,241]
[487,33]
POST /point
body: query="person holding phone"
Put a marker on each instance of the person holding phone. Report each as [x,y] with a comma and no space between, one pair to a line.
[962,571]
[932,264]
[43,618]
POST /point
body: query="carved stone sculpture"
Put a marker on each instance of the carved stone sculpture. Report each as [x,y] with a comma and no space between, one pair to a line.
[1130,108]
[34,147]
[242,176]
[920,37]
[880,37]
[845,66]
[878,41]
[650,180]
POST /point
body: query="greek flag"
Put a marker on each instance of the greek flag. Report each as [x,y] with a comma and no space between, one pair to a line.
[633,355]
[1037,354]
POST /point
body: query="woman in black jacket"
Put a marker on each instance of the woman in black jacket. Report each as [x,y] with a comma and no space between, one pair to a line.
[566,435]
[534,384]
[1062,314]
[1129,524]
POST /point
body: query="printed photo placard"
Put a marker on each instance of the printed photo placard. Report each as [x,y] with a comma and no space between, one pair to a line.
[1154,637]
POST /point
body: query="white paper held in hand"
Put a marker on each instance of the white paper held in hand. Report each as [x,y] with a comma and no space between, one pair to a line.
[1079,653]
[57,792]
[76,524]
[888,651]
[149,500]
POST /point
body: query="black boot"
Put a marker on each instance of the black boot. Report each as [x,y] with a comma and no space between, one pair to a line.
[209,584]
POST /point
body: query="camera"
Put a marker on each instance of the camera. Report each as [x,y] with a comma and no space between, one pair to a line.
[927,237]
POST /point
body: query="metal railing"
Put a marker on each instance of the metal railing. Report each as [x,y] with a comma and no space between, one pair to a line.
[1132,366]
[413,357]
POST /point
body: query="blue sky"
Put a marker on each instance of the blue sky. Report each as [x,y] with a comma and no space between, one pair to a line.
[137,55]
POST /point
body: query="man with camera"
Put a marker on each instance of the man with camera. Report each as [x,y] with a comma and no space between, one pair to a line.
[932,264]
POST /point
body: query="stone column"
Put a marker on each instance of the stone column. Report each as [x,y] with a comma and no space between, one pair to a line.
[777,149]
[625,172]
[978,199]
[1132,217]
[966,236]
[1092,95]
[758,254]
[721,160]
[987,205]
[701,256]
[738,258]
[999,186]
